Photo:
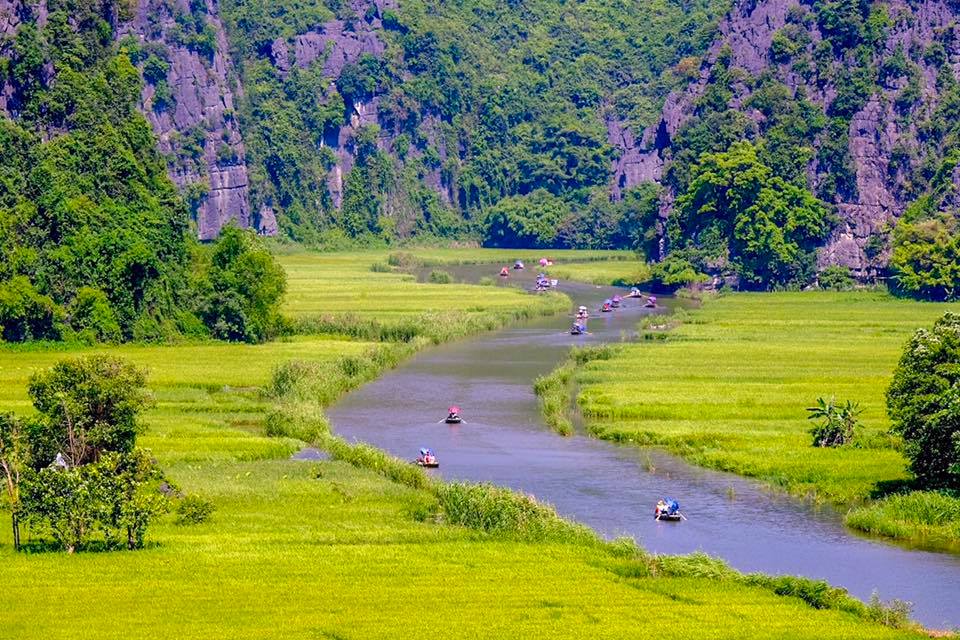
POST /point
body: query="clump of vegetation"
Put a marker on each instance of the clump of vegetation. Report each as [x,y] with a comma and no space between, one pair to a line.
[554,393]
[194,509]
[837,424]
[73,470]
[931,517]
[381,267]
[923,402]
[836,278]
[439,276]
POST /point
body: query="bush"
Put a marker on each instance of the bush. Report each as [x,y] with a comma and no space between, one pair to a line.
[838,423]
[91,315]
[381,267]
[194,509]
[836,278]
[438,276]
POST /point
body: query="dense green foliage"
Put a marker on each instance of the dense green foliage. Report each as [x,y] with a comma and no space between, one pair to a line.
[497,100]
[73,470]
[737,212]
[924,403]
[92,232]
[94,242]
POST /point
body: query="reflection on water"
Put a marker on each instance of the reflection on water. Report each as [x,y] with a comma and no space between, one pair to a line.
[614,488]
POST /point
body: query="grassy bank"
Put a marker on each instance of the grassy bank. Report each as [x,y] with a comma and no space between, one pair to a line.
[923,517]
[729,386]
[608,272]
[361,545]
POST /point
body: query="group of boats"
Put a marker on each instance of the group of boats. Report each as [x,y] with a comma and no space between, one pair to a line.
[666,509]
[608,306]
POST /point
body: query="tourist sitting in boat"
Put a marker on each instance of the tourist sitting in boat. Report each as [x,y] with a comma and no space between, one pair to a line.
[667,509]
[578,328]
[606,307]
[453,415]
[634,293]
[582,313]
[427,458]
[504,272]
[615,301]
[651,302]
[518,265]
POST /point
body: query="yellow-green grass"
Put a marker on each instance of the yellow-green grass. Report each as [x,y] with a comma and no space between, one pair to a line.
[729,387]
[343,283]
[324,550]
[603,272]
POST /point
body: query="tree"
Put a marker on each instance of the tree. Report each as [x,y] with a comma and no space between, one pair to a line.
[75,469]
[926,259]
[87,406]
[525,221]
[247,286]
[13,461]
[923,402]
[736,211]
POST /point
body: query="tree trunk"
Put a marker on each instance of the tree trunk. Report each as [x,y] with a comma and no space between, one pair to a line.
[16,531]
[131,543]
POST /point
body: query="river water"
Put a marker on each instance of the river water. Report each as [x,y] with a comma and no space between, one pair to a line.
[613,488]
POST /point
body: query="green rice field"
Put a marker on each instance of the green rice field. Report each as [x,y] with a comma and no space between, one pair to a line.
[729,386]
[321,549]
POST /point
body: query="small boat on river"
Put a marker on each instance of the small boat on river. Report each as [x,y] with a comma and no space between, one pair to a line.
[668,509]
[427,459]
[453,416]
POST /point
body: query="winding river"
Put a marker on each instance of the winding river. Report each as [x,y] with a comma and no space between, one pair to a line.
[613,488]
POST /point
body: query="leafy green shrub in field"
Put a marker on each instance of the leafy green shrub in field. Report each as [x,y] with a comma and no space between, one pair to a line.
[381,267]
[486,281]
[836,278]
[438,276]
[194,509]
[923,402]
[838,423]
[676,271]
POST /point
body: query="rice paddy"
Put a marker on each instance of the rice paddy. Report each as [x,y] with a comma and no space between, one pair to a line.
[322,549]
[729,386]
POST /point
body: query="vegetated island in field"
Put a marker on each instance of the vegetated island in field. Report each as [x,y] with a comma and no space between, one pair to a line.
[354,545]
[726,386]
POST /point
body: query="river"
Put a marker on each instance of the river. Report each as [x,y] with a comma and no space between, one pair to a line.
[613,488]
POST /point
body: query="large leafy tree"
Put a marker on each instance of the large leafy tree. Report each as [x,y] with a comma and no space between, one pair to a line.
[926,258]
[525,221]
[923,402]
[737,213]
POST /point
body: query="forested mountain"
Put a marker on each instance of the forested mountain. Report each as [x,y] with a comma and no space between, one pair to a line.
[762,138]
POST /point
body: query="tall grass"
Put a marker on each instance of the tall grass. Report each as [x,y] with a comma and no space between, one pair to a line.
[927,517]
[556,390]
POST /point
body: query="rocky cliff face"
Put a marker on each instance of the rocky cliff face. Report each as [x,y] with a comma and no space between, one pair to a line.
[197,126]
[877,132]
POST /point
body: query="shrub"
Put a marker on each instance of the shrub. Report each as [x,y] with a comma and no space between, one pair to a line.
[438,276]
[91,314]
[25,314]
[923,402]
[194,509]
[381,267]
[836,278]
[838,423]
